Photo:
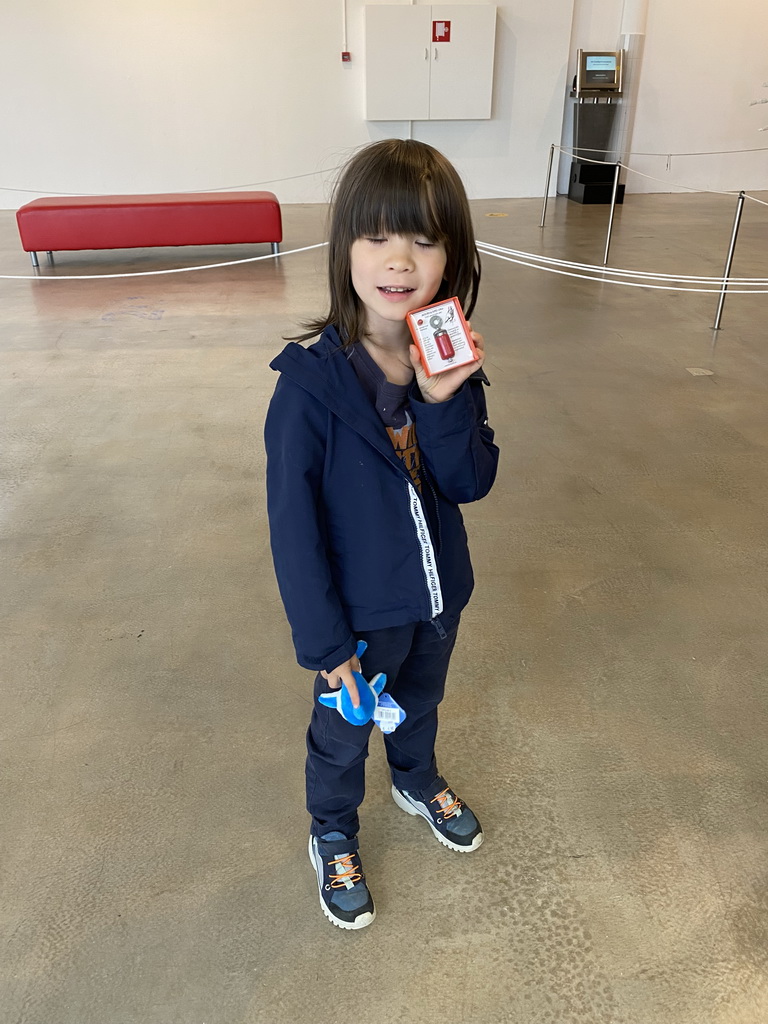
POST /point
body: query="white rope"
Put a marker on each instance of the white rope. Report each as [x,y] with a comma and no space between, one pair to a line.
[310,174]
[153,273]
[663,181]
[186,192]
[626,284]
[708,152]
[486,248]
[674,184]
[624,273]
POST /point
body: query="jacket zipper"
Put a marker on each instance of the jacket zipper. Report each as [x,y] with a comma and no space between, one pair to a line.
[426,546]
[436,621]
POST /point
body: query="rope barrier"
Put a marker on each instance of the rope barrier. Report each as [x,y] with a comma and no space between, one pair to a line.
[606,274]
[155,273]
[520,257]
[328,170]
[709,152]
[183,192]
[689,188]
[625,273]
[626,284]
[651,177]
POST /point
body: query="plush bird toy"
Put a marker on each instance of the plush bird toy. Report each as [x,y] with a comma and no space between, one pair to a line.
[369,695]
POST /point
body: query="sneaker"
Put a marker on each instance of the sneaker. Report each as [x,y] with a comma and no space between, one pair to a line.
[344,895]
[452,821]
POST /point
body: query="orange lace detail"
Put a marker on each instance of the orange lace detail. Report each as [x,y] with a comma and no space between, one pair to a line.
[447,803]
[349,874]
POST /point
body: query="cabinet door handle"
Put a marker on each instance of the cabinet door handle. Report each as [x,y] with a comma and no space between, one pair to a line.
[426,53]
[435,53]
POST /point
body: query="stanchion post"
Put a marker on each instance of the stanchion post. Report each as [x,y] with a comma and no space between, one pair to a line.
[729,259]
[612,214]
[546,184]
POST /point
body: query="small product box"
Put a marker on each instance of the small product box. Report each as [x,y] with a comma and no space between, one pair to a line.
[442,336]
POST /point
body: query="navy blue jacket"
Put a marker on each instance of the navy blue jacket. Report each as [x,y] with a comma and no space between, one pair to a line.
[355,546]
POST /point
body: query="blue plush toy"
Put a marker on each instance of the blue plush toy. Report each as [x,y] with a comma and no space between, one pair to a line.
[369,695]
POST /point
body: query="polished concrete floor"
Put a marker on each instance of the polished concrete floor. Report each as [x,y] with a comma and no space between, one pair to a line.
[607,714]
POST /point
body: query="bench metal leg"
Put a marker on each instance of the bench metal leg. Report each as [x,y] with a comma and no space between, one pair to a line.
[275,248]
[49,254]
[33,257]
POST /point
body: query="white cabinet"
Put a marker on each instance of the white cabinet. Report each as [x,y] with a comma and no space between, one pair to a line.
[461,82]
[429,62]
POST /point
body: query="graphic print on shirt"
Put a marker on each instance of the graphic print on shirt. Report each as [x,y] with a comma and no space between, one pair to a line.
[407,448]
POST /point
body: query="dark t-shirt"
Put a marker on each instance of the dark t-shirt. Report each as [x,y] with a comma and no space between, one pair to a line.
[391,403]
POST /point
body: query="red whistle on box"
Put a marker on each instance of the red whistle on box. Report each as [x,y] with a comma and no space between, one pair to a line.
[442,336]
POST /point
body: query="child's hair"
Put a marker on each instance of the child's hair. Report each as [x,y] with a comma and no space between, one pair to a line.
[403,187]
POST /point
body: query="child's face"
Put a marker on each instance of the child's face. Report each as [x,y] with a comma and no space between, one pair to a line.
[393,274]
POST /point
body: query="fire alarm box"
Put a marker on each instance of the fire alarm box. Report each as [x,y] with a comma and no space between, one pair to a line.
[442,336]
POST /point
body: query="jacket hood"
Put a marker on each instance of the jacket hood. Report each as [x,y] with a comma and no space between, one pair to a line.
[314,362]
[324,371]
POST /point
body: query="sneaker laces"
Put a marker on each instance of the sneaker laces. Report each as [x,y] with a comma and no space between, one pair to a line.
[346,875]
[450,806]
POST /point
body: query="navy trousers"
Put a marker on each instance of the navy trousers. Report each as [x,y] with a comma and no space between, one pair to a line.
[415,659]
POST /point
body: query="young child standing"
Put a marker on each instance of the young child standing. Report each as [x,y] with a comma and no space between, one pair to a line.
[368,460]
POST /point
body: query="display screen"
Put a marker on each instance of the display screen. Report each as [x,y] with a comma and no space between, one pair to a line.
[600,63]
[600,70]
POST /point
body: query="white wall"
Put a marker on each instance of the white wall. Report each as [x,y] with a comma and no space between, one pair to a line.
[705,61]
[174,95]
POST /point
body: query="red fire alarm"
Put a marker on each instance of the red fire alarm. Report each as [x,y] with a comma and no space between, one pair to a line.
[441,31]
[346,57]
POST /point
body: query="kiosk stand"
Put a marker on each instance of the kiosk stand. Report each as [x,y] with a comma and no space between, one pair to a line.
[597,87]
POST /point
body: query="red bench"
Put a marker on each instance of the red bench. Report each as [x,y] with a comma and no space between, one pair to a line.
[137,222]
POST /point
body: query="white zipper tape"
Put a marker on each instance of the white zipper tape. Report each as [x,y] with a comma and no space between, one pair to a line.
[428,562]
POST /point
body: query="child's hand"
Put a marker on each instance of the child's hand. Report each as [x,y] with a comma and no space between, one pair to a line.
[342,675]
[443,386]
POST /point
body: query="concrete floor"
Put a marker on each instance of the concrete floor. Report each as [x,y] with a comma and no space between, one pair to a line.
[607,715]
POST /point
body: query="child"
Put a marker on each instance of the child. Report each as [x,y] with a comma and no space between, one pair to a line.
[367,462]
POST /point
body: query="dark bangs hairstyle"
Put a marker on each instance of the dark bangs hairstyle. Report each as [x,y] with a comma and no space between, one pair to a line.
[402,187]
